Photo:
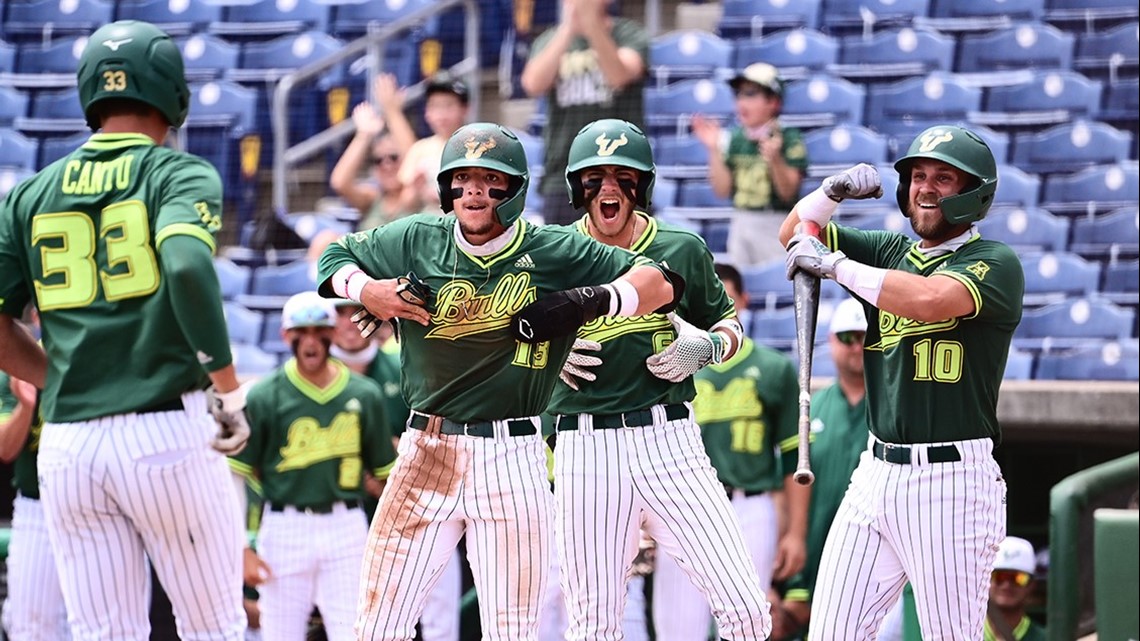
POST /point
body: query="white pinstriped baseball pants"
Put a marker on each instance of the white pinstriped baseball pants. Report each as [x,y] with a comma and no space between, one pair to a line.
[493,490]
[121,489]
[607,483]
[34,608]
[937,525]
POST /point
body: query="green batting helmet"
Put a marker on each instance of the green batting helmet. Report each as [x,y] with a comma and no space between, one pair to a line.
[959,148]
[137,61]
[490,146]
[611,142]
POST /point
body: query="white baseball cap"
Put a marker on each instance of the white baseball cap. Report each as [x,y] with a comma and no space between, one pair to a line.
[1016,554]
[308,309]
[848,317]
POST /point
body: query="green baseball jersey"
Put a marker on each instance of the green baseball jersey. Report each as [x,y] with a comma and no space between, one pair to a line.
[747,411]
[581,94]
[385,370]
[839,437]
[937,381]
[1026,630]
[465,365]
[82,237]
[752,186]
[24,469]
[309,445]
[624,382]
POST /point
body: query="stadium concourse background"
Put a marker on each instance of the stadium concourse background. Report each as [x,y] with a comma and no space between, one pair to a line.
[858,89]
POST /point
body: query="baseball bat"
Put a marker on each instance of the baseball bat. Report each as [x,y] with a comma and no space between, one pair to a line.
[805,289]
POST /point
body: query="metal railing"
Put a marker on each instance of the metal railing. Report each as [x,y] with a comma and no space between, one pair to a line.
[286,156]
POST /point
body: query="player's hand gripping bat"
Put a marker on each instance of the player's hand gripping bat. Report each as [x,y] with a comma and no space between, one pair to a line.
[805,288]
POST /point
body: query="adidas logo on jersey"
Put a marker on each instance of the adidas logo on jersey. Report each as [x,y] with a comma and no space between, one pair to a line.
[525,262]
[353,405]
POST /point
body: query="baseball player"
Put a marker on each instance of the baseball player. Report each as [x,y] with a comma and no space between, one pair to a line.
[838,438]
[315,428]
[485,324]
[1011,585]
[115,241]
[629,454]
[33,610]
[927,501]
[747,410]
[440,621]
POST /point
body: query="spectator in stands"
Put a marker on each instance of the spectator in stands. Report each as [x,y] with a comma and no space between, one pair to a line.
[1011,584]
[590,66]
[759,163]
[445,111]
[839,436]
[382,139]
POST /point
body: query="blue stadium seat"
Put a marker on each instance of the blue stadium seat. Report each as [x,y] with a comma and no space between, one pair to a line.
[1090,14]
[56,147]
[680,157]
[1026,229]
[223,128]
[1116,234]
[7,57]
[751,19]
[834,149]
[1101,188]
[1071,323]
[1028,45]
[1122,282]
[17,150]
[715,234]
[233,278]
[1111,53]
[1052,277]
[207,57]
[352,20]
[775,328]
[1016,188]
[980,15]
[937,97]
[175,18]
[308,224]
[245,325]
[268,61]
[1115,361]
[822,364]
[263,19]
[796,53]
[12,176]
[1070,147]
[55,112]
[1018,365]
[664,193]
[1049,98]
[767,285]
[690,54]
[272,284]
[894,54]
[251,361]
[853,16]
[42,19]
[698,193]
[676,104]
[48,66]
[822,101]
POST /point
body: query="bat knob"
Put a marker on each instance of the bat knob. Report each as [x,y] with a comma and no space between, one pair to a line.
[804,477]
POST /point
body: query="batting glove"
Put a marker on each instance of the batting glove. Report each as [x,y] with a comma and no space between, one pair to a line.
[366,322]
[575,363]
[858,182]
[690,351]
[807,253]
[228,409]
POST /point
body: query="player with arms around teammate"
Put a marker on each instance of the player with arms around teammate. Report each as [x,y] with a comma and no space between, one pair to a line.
[315,428]
[927,501]
[473,462]
[628,453]
[746,407]
[115,242]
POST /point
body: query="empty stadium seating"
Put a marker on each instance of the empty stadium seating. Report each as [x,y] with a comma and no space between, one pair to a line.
[894,54]
[796,53]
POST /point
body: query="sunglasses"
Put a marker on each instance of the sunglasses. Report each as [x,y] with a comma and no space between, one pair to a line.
[752,92]
[1021,579]
[850,338]
[380,160]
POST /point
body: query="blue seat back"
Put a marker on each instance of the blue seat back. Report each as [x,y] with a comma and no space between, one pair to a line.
[822,101]
[796,53]
[17,150]
[1027,45]
[1071,146]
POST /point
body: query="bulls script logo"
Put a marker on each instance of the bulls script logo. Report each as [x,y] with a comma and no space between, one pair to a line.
[931,140]
[607,147]
[114,45]
[893,328]
[460,312]
[476,148]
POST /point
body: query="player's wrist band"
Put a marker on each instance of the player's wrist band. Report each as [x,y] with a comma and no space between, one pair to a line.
[864,280]
[816,207]
[623,298]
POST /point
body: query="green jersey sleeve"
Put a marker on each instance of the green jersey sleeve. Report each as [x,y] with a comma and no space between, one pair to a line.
[14,291]
[378,454]
[190,199]
[259,413]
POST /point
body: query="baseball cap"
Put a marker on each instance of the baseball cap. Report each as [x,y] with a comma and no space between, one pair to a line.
[308,309]
[762,74]
[848,317]
[443,81]
[1016,554]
